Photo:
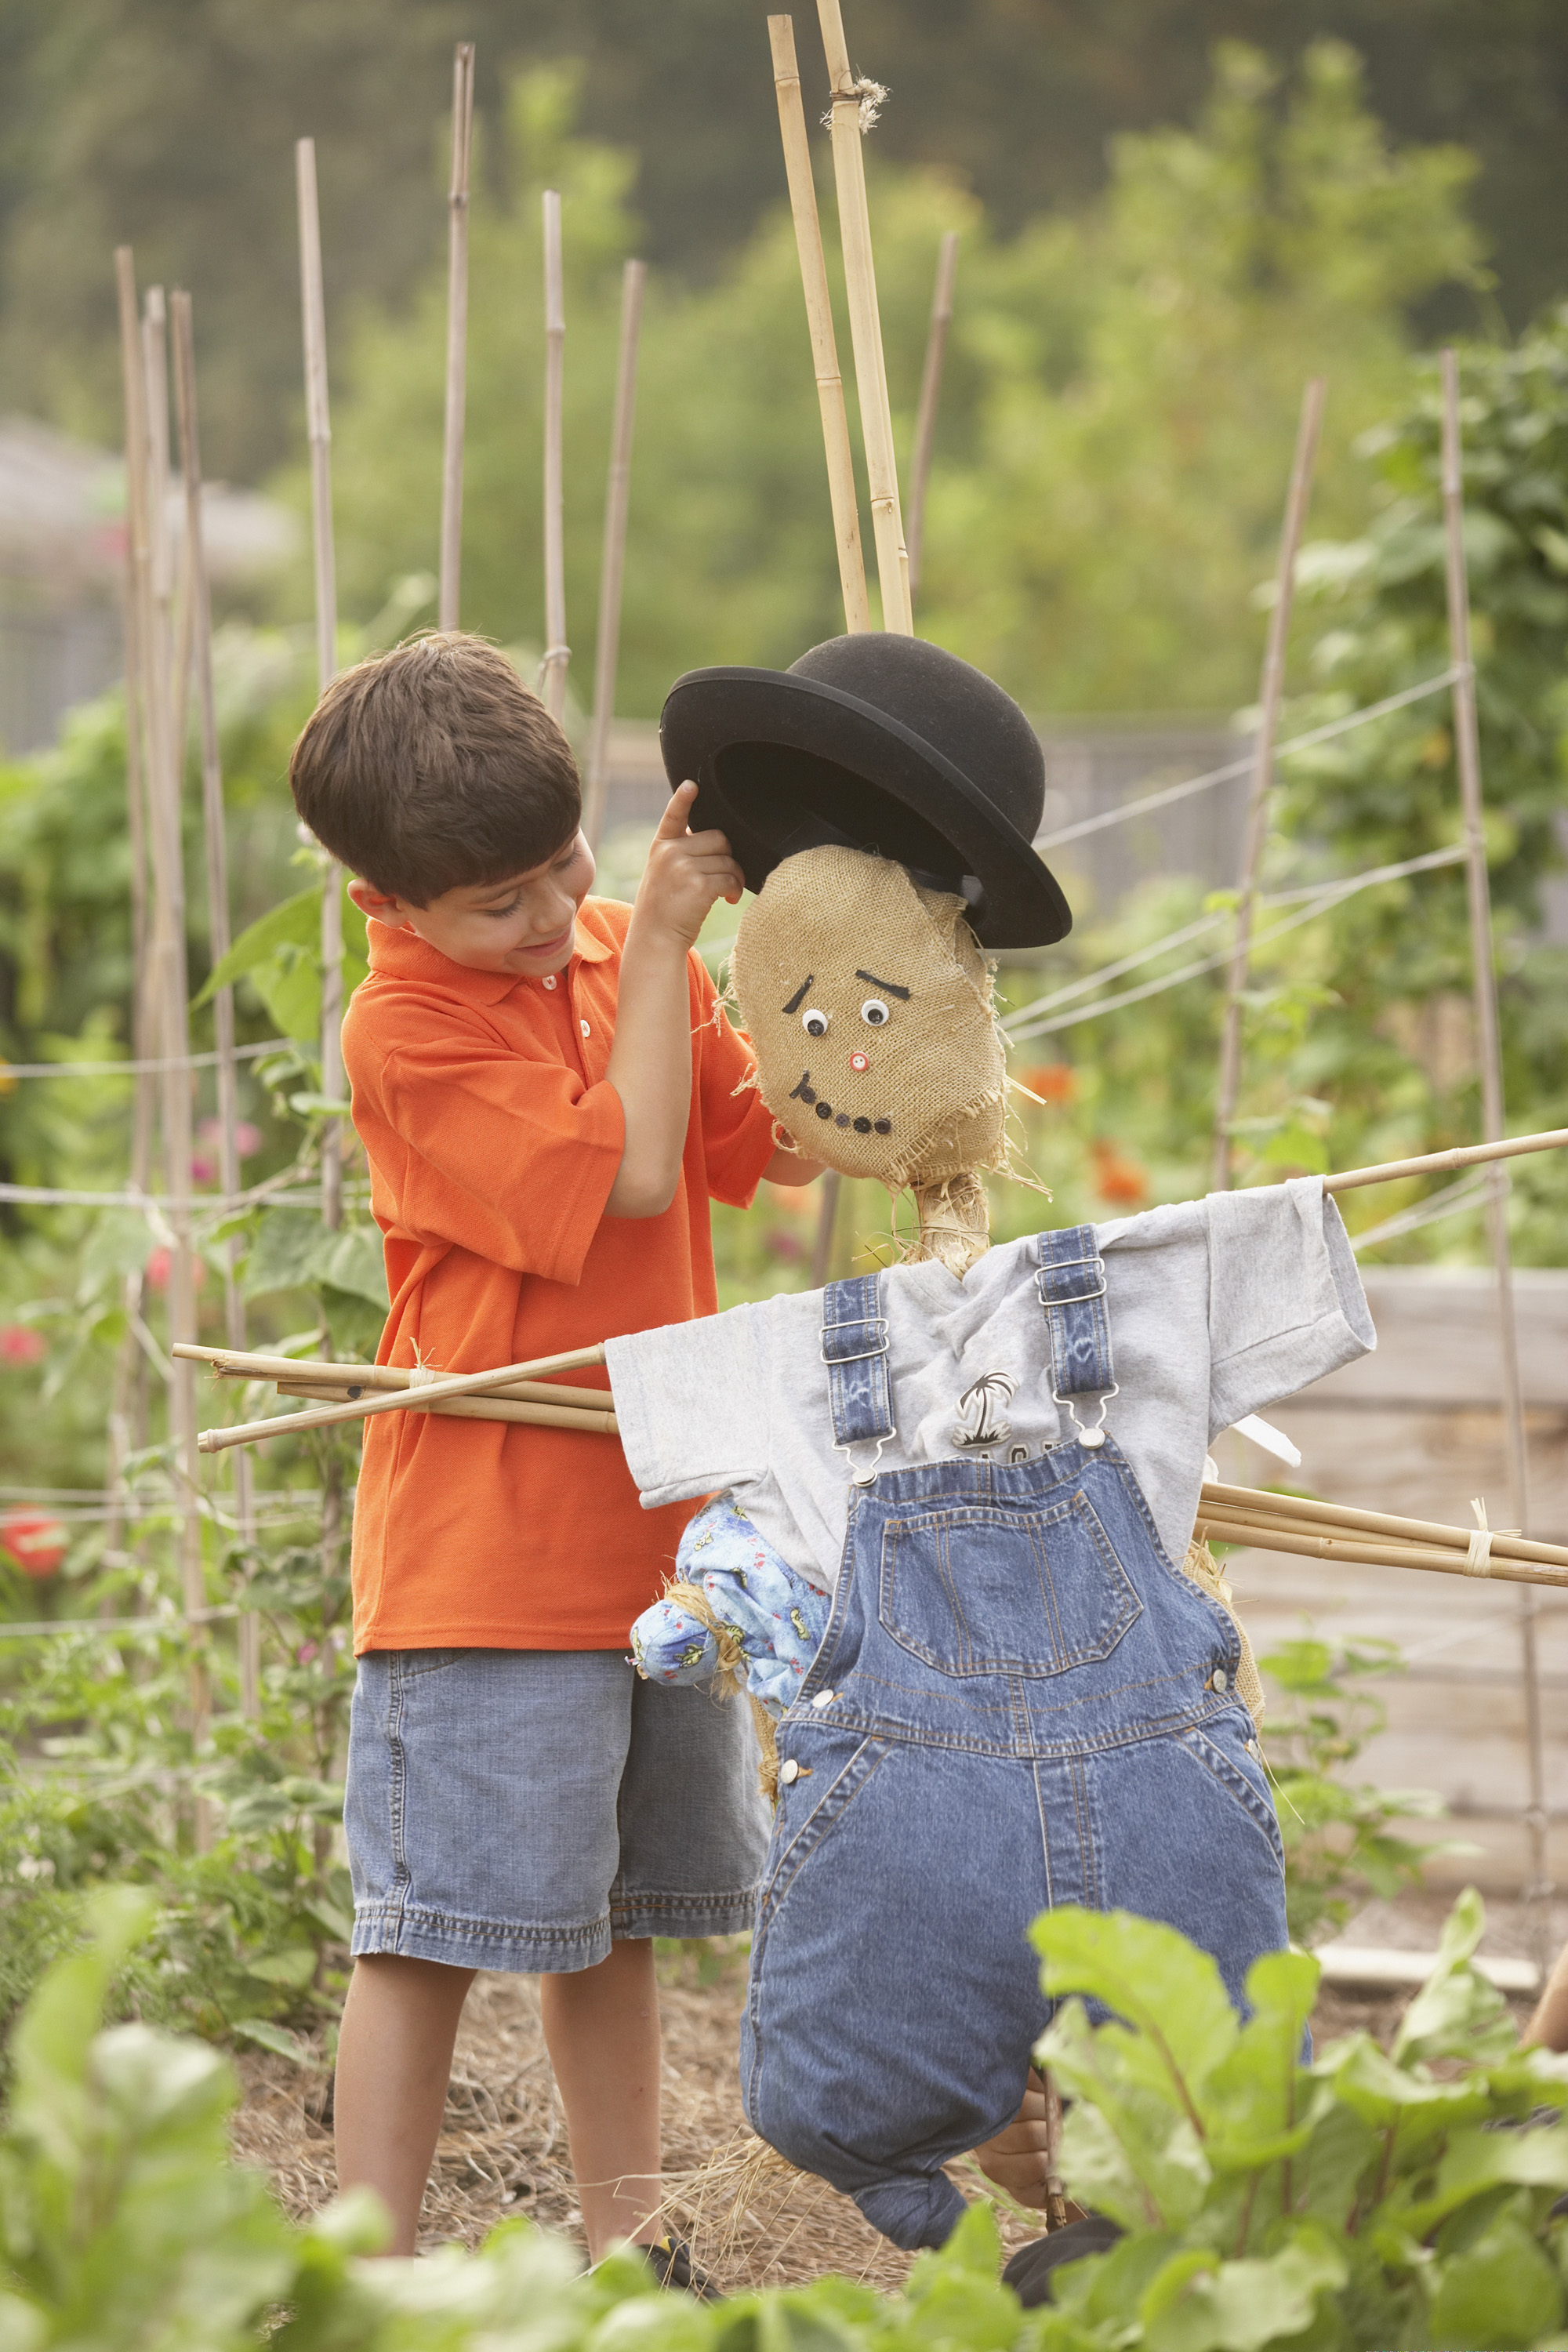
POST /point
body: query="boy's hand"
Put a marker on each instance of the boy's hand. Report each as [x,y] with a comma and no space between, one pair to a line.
[686,873]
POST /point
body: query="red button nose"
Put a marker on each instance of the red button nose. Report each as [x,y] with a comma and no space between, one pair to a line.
[858,1062]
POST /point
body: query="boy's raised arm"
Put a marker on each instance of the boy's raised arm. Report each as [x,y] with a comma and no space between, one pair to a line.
[650,1060]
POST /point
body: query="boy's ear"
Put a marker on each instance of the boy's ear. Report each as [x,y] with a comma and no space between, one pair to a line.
[377,905]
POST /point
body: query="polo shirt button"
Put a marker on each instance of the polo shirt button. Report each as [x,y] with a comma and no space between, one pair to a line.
[1219,1679]
[550,979]
[586,1031]
[789,1771]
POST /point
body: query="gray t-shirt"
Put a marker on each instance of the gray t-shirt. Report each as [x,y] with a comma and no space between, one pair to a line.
[1216,1308]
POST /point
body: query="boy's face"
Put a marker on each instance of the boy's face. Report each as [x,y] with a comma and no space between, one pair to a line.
[525,924]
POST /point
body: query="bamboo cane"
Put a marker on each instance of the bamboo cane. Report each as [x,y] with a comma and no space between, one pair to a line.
[1467,756]
[169,969]
[449,595]
[231,1364]
[1366,1552]
[612,562]
[227,1074]
[600,1424]
[819,321]
[216,1441]
[319,433]
[557,653]
[865,326]
[1271,694]
[1434,1163]
[931,392]
[1252,1502]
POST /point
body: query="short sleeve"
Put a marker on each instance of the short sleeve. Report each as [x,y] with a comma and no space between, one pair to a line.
[1286,1304]
[737,1125]
[691,1400]
[511,1158]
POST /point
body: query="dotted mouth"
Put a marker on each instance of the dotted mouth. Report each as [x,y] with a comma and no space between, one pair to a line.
[806,1093]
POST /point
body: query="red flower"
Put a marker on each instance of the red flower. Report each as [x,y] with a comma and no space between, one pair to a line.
[35,1540]
[20,1344]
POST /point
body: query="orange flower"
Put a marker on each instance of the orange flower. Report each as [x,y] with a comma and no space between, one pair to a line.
[1054,1082]
[1121,1182]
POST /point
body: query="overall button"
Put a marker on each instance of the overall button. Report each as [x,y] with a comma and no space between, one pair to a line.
[788,1770]
[1219,1680]
[823,1698]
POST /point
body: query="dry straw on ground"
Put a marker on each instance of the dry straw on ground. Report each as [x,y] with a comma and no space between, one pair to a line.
[752,2220]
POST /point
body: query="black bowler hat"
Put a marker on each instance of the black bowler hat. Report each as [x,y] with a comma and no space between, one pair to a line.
[883,742]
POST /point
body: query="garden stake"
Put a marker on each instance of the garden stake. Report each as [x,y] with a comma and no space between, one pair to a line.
[228,1072]
[557,653]
[612,563]
[1270,695]
[147,386]
[854,109]
[456,335]
[319,433]
[931,392]
[128,1409]
[1483,970]
[819,320]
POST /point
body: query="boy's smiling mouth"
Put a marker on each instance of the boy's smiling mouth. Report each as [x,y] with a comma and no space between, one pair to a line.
[806,1093]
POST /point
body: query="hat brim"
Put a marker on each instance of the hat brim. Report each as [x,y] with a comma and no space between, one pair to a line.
[784,763]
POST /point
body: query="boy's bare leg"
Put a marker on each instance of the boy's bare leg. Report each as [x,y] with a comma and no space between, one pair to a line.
[395,2060]
[1550,2023]
[602,2028]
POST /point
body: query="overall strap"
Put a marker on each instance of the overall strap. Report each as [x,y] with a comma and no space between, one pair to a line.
[855,1350]
[1072,1287]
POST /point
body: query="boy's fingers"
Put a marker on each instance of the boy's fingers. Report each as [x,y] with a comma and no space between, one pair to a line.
[672,824]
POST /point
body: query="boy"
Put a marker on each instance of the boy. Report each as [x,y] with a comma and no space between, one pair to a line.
[548,1094]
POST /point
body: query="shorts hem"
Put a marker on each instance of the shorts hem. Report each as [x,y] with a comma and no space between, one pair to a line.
[406,1932]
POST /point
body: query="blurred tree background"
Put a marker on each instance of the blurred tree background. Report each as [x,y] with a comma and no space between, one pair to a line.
[169,122]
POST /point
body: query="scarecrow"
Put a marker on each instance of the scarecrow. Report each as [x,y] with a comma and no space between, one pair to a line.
[950,1555]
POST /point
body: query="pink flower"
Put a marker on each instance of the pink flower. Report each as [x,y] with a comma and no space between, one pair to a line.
[304,1654]
[203,1170]
[20,1344]
[246,1138]
[161,1264]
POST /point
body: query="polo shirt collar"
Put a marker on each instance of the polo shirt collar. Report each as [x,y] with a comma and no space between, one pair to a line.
[405,956]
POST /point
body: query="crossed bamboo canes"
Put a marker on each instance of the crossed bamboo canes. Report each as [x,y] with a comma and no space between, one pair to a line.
[385,1388]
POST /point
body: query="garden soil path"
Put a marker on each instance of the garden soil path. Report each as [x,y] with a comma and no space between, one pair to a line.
[502,2151]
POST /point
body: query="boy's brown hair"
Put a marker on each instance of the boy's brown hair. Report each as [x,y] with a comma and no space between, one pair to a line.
[433,767]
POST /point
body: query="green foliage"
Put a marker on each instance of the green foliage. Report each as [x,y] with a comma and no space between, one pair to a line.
[1367,2200]
[1095,546]
[1364,2200]
[1340,1840]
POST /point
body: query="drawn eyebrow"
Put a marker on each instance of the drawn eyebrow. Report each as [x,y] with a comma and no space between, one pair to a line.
[794,1004]
[890,985]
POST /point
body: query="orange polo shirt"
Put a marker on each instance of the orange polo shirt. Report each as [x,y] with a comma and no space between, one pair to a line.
[493,1139]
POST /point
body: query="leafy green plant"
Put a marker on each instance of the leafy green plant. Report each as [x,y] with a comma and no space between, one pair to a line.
[1391,2199]
[1339,1833]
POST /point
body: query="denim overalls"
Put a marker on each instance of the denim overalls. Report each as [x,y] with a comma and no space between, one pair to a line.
[1019,1701]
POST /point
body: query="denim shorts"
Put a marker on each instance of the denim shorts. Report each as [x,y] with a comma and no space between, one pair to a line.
[522,1809]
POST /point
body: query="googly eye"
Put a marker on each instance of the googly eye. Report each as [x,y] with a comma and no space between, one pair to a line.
[873,1013]
[813,1023]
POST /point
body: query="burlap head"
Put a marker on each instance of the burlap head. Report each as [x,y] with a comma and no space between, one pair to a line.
[839,935]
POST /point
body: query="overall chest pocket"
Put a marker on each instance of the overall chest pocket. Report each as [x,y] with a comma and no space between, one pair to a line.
[982,1590]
